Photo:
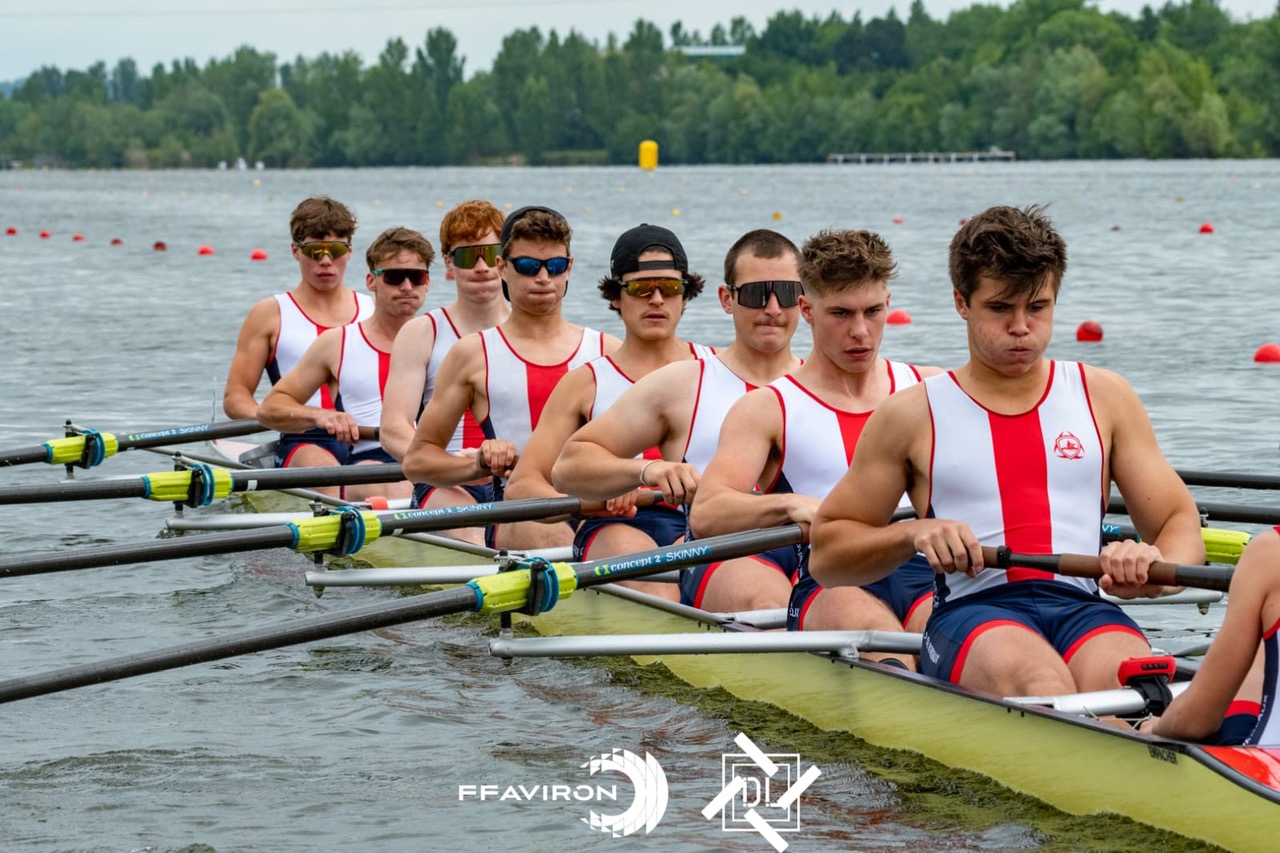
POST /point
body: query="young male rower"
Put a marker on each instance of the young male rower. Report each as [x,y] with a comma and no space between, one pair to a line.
[793,440]
[469,244]
[278,329]
[355,359]
[679,408]
[505,374]
[1232,698]
[649,285]
[1011,449]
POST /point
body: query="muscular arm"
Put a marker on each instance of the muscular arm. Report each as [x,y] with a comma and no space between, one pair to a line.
[1197,713]
[457,386]
[750,444]
[599,461]
[253,350]
[406,379]
[567,409]
[284,407]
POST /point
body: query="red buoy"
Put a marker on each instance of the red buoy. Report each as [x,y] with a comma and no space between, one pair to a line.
[11,231]
[159,246]
[45,235]
[258,255]
[1089,331]
[898,318]
[1268,353]
[77,238]
[1206,227]
[116,241]
[206,249]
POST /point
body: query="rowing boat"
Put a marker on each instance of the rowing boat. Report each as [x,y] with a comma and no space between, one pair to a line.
[1224,795]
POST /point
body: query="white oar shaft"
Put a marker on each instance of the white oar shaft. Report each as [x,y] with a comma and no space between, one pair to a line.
[845,643]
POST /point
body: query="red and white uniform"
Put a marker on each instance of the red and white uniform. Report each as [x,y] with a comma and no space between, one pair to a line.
[1032,481]
[518,389]
[468,433]
[824,436]
[362,377]
[718,389]
[297,331]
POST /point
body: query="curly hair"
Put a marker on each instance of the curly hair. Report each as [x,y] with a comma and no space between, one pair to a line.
[393,241]
[320,216]
[762,243]
[1017,247]
[468,222]
[833,260]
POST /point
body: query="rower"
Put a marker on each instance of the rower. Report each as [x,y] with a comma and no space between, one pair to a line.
[278,329]
[783,447]
[355,359]
[680,407]
[1011,449]
[504,375]
[469,245]
[649,285]
[1232,698]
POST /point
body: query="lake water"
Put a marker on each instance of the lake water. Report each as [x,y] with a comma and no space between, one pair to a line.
[362,743]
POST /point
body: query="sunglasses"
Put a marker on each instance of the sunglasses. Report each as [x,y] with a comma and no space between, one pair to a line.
[333,248]
[466,257]
[395,278]
[529,266]
[644,287]
[755,294]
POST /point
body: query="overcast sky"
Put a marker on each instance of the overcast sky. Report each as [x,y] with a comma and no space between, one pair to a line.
[76,33]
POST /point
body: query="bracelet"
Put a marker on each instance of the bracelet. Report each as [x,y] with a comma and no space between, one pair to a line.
[644,468]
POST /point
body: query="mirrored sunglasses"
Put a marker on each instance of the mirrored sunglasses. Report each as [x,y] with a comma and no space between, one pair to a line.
[644,287]
[397,277]
[466,257]
[333,248]
[527,266]
[755,294]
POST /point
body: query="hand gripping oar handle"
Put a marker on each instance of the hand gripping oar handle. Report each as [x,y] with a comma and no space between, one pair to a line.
[383,615]
[1083,566]
[70,450]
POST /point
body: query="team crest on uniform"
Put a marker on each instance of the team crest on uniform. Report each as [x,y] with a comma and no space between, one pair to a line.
[1068,446]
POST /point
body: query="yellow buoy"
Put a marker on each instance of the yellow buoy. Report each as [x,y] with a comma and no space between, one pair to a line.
[648,155]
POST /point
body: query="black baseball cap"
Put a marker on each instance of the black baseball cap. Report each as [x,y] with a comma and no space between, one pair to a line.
[516,215]
[633,243]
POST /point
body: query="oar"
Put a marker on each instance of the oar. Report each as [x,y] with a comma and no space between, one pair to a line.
[89,447]
[1082,566]
[343,532]
[192,487]
[501,593]
[1220,512]
[1229,480]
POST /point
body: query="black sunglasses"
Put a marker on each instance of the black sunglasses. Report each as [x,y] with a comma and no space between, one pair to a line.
[527,266]
[397,277]
[466,257]
[755,294]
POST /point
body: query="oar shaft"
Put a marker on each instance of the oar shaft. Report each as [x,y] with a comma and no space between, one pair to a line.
[1083,566]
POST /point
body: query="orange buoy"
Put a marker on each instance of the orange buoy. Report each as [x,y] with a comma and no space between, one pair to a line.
[258,255]
[11,231]
[77,238]
[1206,227]
[116,241]
[45,235]
[1090,331]
[898,318]
[206,249]
[159,246]
[1267,353]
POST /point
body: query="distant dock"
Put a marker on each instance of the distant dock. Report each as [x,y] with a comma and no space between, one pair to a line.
[989,156]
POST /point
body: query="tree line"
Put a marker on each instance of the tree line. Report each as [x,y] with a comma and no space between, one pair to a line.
[1047,79]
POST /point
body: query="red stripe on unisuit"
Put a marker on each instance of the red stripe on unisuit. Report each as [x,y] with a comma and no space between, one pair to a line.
[1022,475]
[542,381]
[851,424]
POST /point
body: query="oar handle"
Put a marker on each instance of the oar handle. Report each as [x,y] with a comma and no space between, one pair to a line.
[1084,566]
